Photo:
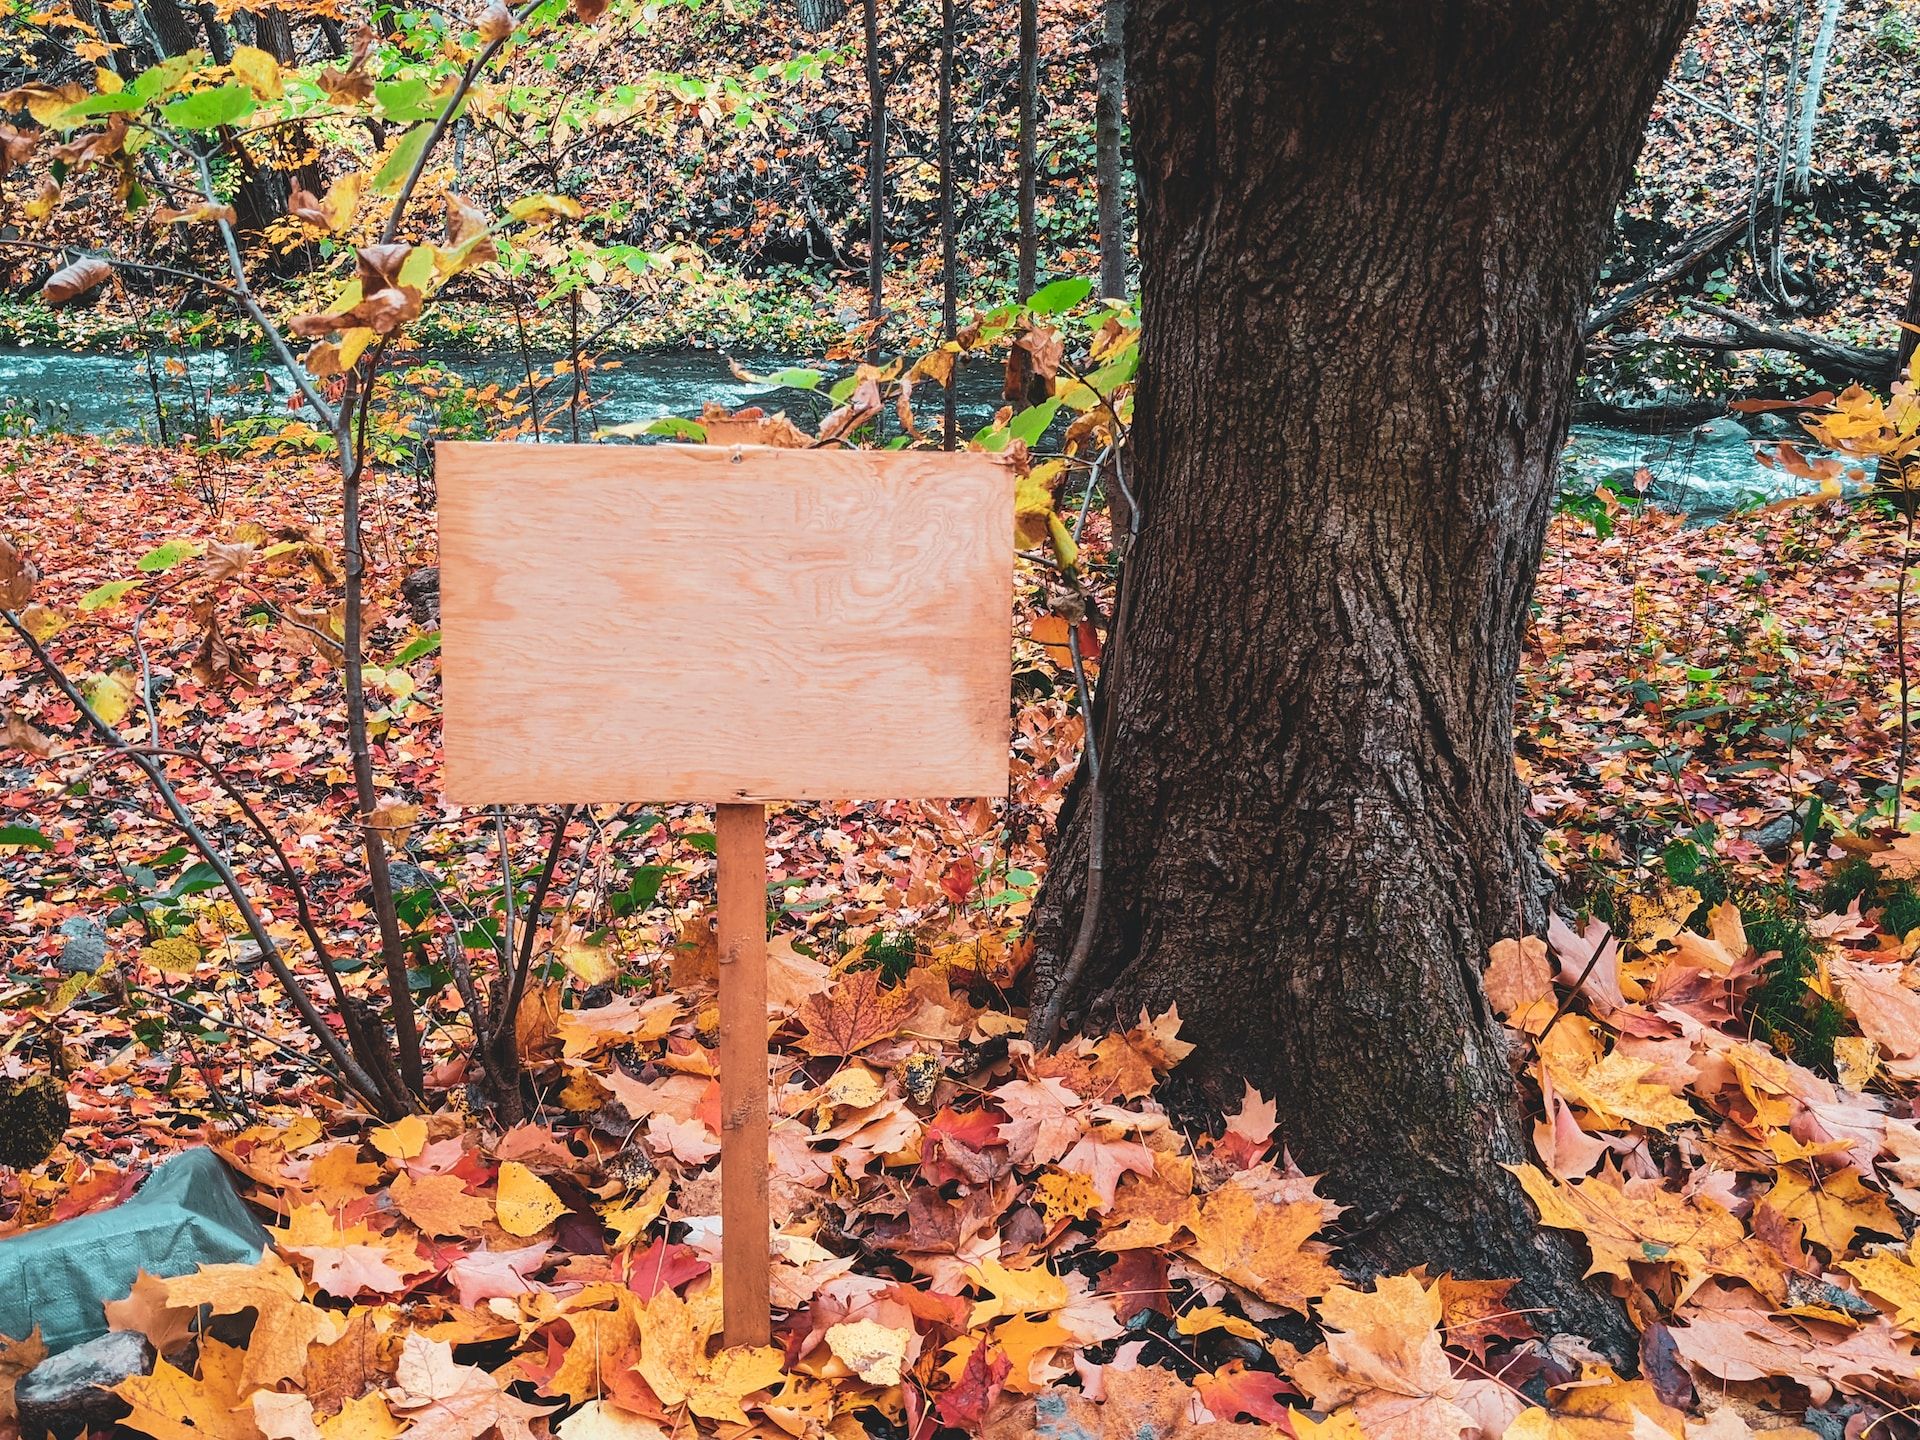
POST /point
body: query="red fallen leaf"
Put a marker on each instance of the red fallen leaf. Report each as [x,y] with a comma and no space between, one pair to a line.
[964,1406]
[957,884]
[931,1307]
[662,1266]
[964,1146]
[1662,1367]
[1138,1279]
[1233,1391]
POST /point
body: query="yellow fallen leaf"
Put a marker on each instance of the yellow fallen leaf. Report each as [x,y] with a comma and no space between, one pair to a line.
[876,1353]
[402,1140]
[1832,1208]
[1892,1277]
[1203,1319]
[525,1204]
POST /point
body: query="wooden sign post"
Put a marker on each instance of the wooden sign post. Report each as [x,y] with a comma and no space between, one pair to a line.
[730,625]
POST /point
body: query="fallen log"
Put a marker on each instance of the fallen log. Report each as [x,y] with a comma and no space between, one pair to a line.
[1829,359]
[1692,250]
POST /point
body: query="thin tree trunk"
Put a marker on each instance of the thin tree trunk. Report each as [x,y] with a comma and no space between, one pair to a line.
[949,239]
[1027,86]
[876,179]
[1368,235]
[1810,97]
[1109,100]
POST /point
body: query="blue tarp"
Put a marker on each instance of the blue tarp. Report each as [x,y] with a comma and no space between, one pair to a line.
[185,1215]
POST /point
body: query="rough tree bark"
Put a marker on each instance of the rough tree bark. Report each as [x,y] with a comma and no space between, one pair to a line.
[949,234]
[1109,98]
[1027,101]
[1368,233]
[876,179]
[818,15]
[1909,338]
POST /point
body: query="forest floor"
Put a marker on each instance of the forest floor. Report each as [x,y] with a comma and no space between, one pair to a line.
[1719,1041]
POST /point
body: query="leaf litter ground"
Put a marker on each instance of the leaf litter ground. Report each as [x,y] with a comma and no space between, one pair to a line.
[972,1235]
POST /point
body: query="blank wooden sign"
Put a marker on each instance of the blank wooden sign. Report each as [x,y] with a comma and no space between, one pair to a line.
[723,624]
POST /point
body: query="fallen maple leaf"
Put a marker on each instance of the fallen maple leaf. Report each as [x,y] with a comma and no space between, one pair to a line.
[1833,1207]
[1041,1125]
[1266,1247]
[854,1014]
[1383,1356]
[1641,1222]
[170,1404]
[16,1358]
[445,1400]
[439,1204]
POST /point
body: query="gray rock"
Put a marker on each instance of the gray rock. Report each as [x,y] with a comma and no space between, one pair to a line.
[1725,430]
[1776,834]
[408,876]
[72,1392]
[86,948]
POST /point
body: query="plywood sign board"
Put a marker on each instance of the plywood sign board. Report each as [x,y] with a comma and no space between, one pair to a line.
[722,623]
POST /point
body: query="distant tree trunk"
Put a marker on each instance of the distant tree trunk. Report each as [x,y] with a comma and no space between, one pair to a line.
[170,26]
[101,19]
[1368,233]
[1027,86]
[1109,112]
[273,33]
[817,15]
[219,42]
[876,179]
[949,238]
[1810,98]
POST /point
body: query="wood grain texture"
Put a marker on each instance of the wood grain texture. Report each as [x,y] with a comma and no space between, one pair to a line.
[628,623]
[740,846]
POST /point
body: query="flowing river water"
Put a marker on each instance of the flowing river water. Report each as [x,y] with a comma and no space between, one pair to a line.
[1706,471]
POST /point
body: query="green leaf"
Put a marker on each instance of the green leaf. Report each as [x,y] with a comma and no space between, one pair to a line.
[116,104]
[1060,295]
[159,78]
[165,557]
[400,164]
[843,388]
[210,109]
[672,426]
[1030,424]
[404,101]
[796,378]
[101,596]
[418,646]
[24,835]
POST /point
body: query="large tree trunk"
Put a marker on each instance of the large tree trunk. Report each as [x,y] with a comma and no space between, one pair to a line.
[1027,102]
[1109,98]
[876,181]
[1368,233]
